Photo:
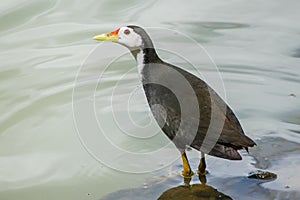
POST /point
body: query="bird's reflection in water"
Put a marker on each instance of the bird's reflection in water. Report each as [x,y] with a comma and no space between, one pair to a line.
[193,192]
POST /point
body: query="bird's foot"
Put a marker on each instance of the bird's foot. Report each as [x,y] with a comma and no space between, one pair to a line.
[202,172]
[187,173]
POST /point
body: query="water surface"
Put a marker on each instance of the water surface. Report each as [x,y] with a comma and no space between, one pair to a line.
[43,45]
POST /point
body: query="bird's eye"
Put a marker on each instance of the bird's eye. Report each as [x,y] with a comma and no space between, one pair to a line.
[127,32]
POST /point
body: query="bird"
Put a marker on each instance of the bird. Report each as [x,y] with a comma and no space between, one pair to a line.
[187,109]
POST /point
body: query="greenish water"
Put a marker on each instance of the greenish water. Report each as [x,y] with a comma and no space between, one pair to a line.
[45,45]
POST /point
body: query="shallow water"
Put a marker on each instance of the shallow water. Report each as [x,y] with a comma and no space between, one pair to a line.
[51,146]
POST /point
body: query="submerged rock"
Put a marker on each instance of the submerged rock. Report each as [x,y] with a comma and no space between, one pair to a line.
[193,192]
[264,175]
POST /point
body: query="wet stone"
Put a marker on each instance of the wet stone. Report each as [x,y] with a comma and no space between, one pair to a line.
[263,175]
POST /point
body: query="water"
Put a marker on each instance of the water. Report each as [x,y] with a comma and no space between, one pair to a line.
[43,45]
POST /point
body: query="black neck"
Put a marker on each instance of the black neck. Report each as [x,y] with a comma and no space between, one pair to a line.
[150,55]
[147,48]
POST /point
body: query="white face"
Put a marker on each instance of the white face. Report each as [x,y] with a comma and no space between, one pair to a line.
[129,38]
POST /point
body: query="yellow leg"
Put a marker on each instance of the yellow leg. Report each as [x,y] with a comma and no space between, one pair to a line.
[187,172]
[202,165]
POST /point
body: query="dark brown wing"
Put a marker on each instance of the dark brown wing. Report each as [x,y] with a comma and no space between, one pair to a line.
[232,136]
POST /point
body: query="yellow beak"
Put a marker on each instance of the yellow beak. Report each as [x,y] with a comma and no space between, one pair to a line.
[113,36]
[106,37]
